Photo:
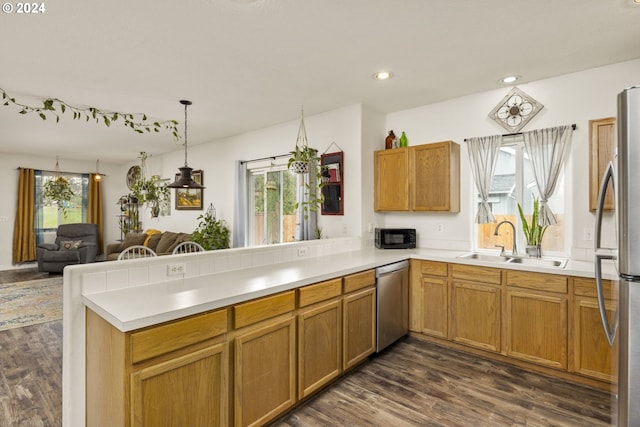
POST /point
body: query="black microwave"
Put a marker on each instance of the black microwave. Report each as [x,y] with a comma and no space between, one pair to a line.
[395,238]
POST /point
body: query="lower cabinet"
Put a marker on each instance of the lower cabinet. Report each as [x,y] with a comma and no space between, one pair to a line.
[429,293]
[241,365]
[358,317]
[476,307]
[188,390]
[592,355]
[264,367]
[537,318]
[319,335]
[264,371]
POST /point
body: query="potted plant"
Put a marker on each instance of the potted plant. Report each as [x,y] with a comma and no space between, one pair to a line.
[58,190]
[300,163]
[211,233]
[533,232]
[151,192]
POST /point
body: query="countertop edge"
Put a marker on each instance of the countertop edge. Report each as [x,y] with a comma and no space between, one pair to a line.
[122,314]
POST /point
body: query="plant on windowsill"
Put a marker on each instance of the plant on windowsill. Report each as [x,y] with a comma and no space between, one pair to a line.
[533,232]
[58,190]
[211,233]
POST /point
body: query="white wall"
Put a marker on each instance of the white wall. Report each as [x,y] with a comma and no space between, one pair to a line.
[217,159]
[573,98]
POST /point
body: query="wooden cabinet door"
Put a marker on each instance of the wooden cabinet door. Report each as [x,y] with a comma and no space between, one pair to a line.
[264,371]
[434,301]
[601,146]
[190,390]
[536,327]
[476,314]
[319,346]
[358,326]
[434,171]
[592,355]
[391,180]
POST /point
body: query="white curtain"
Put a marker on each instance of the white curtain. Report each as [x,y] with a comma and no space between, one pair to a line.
[546,148]
[483,155]
[240,208]
[307,223]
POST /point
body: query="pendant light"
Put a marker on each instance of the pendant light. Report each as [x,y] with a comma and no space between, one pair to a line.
[185,180]
[98,176]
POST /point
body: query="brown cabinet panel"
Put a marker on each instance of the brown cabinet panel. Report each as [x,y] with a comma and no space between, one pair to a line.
[591,351]
[536,327]
[476,273]
[162,339]
[435,295]
[537,281]
[265,372]
[319,346]
[476,315]
[434,268]
[601,146]
[319,292]
[434,171]
[353,282]
[391,180]
[251,312]
[358,326]
[188,390]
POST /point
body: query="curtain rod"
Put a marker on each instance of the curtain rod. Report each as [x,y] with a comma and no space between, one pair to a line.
[54,172]
[573,126]
[264,158]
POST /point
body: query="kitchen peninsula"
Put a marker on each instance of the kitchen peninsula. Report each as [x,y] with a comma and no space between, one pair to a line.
[215,289]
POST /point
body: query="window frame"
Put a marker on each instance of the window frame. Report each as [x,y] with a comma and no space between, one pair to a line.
[517,143]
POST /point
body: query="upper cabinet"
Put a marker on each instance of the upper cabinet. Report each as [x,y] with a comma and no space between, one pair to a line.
[601,141]
[418,178]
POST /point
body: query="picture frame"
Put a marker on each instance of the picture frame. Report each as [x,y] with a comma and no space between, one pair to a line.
[190,199]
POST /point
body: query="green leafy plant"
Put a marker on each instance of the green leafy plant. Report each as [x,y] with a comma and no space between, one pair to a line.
[151,192]
[54,108]
[314,197]
[211,233]
[58,190]
[533,232]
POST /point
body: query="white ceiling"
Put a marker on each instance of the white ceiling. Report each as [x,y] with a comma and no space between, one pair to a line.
[248,64]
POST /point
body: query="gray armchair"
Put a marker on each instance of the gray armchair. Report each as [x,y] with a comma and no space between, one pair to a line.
[75,244]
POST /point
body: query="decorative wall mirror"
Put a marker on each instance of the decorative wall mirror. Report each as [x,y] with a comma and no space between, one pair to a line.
[333,179]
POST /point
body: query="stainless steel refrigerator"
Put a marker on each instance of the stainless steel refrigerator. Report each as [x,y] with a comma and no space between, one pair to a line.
[624,174]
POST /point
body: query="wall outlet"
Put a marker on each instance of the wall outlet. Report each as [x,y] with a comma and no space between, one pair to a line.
[175,269]
[439,228]
[588,234]
[302,252]
[4,219]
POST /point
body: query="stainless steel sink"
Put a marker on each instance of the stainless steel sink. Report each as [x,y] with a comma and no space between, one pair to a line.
[534,262]
[542,262]
[485,257]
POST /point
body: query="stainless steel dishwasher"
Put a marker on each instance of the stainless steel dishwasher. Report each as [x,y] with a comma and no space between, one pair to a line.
[392,283]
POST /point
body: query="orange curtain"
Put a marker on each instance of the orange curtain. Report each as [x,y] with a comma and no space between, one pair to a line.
[24,235]
[94,207]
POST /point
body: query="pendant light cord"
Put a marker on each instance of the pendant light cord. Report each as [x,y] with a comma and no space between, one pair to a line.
[185,134]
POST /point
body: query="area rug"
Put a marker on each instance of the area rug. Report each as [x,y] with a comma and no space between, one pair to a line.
[31,302]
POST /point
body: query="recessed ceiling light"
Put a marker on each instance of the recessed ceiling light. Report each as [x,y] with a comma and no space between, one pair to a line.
[509,79]
[383,75]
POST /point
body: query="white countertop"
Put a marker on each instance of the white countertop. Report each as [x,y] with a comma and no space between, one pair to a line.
[133,308]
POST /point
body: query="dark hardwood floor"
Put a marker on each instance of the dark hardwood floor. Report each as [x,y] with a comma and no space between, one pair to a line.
[413,383]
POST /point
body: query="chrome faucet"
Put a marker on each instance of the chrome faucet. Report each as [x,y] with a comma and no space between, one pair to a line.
[514,250]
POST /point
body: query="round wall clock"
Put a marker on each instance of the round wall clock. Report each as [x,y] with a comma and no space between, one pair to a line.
[515,110]
[133,174]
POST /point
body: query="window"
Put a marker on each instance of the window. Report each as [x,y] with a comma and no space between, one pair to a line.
[271,204]
[513,182]
[47,215]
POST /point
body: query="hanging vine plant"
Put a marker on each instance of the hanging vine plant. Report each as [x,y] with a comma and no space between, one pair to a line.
[54,108]
[58,190]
